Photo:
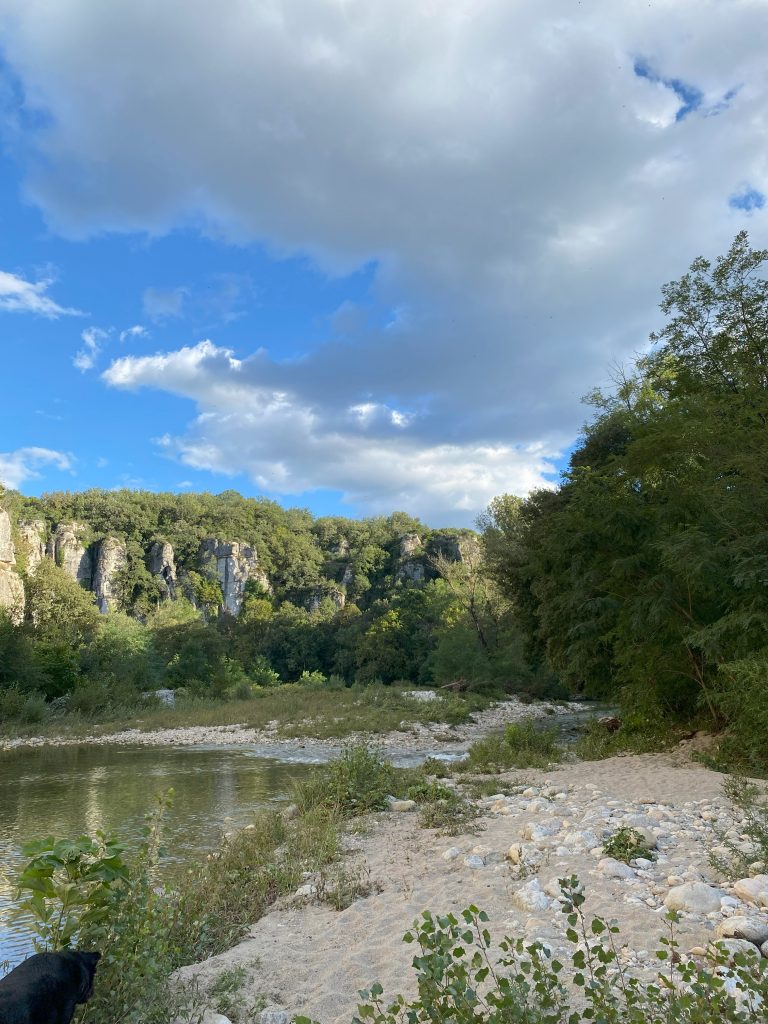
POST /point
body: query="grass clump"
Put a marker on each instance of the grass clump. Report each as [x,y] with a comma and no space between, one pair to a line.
[521,745]
[627,844]
[355,783]
[462,976]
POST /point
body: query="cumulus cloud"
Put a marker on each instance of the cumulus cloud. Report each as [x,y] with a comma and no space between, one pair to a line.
[20,296]
[248,422]
[522,176]
[23,464]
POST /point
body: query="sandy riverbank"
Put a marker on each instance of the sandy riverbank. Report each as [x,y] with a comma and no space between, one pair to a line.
[413,735]
[306,958]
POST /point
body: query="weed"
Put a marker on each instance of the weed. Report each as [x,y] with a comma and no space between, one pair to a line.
[627,844]
[464,978]
[751,800]
[521,745]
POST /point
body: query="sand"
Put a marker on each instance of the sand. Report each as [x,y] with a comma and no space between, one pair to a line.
[305,958]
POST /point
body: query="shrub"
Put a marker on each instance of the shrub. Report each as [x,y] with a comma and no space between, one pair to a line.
[626,844]
[521,745]
[751,800]
[462,977]
[357,782]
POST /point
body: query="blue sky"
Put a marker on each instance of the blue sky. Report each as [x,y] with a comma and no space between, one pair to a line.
[355,257]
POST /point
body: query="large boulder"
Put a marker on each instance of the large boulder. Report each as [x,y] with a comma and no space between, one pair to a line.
[110,559]
[753,890]
[694,897]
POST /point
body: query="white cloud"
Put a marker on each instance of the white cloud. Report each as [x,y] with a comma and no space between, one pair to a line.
[137,331]
[20,296]
[520,186]
[287,446]
[85,358]
[23,464]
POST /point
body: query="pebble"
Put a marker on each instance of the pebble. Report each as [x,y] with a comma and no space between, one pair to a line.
[473,861]
[401,805]
[452,854]
[612,868]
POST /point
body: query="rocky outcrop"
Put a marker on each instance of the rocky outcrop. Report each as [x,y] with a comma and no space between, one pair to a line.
[7,550]
[234,565]
[66,548]
[162,565]
[11,585]
[110,559]
[320,594]
[410,544]
[413,571]
[33,537]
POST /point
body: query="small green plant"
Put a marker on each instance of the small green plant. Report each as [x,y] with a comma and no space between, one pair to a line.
[463,977]
[751,800]
[522,745]
[227,997]
[357,782]
[627,844]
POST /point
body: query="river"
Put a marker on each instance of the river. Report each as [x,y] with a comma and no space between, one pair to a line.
[75,790]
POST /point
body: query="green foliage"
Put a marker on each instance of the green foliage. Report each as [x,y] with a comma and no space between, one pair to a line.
[642,577]
[751,802]
[626,844]
[462,976]
[356,782]
[522,745]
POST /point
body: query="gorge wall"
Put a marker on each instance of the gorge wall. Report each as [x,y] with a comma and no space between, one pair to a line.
[100,565]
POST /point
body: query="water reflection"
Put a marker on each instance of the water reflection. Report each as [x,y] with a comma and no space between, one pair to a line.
[68,791]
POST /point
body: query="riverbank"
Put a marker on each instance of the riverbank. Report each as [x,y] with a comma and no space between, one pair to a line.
[415,730]
[305,958]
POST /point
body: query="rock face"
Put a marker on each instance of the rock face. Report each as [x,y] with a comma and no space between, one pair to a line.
[7,550]
[162,565]
[33,534]
[410,543]
[66,548]
[110,559]
[11,586]
[320,594]
[234,564]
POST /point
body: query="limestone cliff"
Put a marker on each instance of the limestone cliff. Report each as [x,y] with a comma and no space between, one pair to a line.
[110,559]
[66,548]
[11,586]
[33,536]
[162,565]
[234,564]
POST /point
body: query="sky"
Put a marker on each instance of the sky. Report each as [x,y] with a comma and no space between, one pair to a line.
[350,255]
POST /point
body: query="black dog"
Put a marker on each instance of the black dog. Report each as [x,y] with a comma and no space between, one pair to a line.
[46,988]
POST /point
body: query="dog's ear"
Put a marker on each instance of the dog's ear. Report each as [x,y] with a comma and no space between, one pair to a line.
[88,962]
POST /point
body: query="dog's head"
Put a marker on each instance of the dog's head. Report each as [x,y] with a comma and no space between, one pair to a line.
[86,963]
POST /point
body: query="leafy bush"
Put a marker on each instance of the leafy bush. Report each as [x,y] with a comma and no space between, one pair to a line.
[357,782]
[626,844]
[521,745]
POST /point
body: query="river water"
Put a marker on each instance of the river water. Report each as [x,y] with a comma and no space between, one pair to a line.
[71,791]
